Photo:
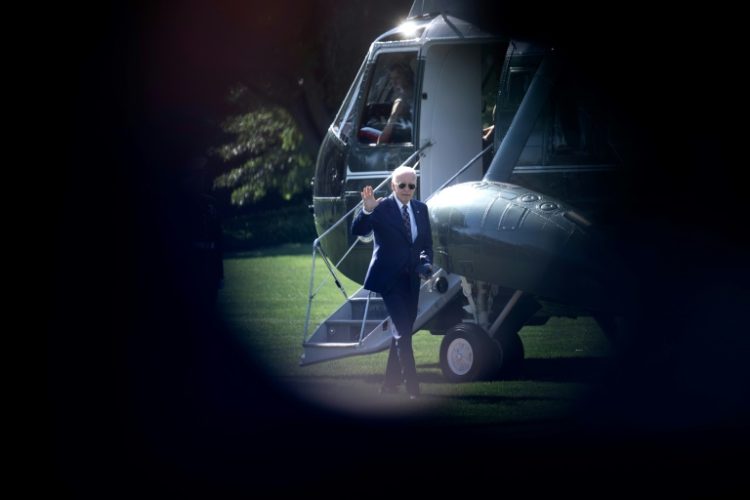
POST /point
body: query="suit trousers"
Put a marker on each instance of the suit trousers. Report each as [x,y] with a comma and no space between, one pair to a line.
[401,302]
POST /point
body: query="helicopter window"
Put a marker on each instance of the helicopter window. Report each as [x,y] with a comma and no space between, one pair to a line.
[492,59]
[344,121]
[513,89]
[576,128]
[389,107]
[518,84]
[493,56]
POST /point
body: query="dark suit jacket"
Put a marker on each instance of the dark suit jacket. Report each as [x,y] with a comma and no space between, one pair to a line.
[393,252]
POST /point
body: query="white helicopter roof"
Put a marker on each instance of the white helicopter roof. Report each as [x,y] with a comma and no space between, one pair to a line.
[434,27]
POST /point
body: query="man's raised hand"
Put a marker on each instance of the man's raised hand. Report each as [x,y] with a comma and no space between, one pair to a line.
[368,199]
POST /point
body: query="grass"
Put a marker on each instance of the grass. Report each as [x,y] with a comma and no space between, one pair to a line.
[264,303]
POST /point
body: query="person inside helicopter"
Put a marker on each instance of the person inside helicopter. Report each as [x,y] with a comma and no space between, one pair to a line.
[397,126]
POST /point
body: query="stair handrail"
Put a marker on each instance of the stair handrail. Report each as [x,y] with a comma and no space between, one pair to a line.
[317,246]
[316,242]
[442,186]
[459,172]
[385,181]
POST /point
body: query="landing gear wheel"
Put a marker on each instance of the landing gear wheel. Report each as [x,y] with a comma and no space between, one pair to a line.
[465,353]
[508,356]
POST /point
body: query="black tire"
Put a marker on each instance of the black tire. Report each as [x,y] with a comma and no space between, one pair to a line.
[466,353]
[626,338]
[508,355]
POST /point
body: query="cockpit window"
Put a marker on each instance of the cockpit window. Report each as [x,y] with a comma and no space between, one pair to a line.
[388,116]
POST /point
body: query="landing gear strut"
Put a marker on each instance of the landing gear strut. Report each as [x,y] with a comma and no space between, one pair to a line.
[484,349]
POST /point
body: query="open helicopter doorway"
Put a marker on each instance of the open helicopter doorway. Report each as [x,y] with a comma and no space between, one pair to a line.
[451,114]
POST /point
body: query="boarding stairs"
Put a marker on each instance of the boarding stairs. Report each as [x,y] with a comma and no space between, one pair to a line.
[362,325]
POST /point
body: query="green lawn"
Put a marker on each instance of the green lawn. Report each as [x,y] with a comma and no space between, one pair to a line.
[264,303]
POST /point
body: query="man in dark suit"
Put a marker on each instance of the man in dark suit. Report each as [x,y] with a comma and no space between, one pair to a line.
[402,252]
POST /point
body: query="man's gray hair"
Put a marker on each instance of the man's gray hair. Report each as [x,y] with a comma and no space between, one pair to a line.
[403,169]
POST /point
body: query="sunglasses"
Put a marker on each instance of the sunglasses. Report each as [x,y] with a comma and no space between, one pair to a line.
[403,185]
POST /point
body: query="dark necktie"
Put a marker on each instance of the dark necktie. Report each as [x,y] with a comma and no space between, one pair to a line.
[407,221]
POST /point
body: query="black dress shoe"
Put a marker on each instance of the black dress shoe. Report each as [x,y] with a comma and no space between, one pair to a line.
[389,389]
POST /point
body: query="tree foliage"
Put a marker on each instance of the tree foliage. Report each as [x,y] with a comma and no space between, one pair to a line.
[264,154]
[290,85]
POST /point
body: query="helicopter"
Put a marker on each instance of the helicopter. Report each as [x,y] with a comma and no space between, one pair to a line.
[518,163]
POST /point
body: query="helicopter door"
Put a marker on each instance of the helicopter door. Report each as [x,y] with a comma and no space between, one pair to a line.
[451,114]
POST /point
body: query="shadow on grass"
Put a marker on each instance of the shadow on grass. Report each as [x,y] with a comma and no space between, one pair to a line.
[569,370]
[424,378]
[491,400]
[273,251]
[563,370]
[366,378]
[578,370]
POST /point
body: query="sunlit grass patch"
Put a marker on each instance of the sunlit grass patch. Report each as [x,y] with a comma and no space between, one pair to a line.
[264,303]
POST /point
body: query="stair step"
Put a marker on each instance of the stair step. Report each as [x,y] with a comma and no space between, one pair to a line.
[330,344]
[353,321]
[339,338]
